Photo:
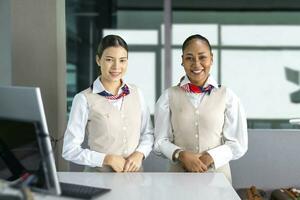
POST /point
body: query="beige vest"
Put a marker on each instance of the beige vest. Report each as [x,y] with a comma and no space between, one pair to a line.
[110,130]
[197,129]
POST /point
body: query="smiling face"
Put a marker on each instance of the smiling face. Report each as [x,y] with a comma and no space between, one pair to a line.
[197,60]
[113,62]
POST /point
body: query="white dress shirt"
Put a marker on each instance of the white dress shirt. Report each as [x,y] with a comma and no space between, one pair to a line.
[234,129]
[75,132]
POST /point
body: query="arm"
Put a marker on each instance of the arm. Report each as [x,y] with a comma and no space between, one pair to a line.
[235,133]
[74,136]
[163,144]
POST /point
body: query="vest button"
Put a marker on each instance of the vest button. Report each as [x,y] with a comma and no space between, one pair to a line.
[196,123]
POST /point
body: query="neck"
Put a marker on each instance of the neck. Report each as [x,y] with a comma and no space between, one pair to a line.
[198,83]
[111,86]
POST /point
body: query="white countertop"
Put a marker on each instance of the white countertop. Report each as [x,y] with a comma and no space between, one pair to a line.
[156,186]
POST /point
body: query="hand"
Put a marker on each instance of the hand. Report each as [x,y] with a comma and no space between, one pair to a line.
[191,161]
[115,162]
[133,162]
[207,159]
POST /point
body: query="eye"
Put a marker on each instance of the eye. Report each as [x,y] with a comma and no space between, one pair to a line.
[202,57]
[108,59]
[123,60]
[189,58]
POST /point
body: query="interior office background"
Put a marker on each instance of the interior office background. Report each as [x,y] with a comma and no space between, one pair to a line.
[52,44]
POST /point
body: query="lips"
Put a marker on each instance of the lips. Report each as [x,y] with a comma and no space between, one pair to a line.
[115,73]
[198,71]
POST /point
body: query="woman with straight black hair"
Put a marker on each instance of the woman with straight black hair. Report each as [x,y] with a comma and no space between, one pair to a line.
[199,125]
[112,115]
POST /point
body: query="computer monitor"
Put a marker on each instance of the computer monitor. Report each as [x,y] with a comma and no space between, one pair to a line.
[25,145]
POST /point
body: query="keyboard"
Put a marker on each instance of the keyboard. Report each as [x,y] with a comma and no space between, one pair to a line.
[81,191]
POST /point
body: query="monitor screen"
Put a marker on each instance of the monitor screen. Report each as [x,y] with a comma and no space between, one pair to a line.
[24,138]
[19,152]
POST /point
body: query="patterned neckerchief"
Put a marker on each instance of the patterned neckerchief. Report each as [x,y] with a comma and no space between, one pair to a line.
[124,88]
[197,89]
[191,88]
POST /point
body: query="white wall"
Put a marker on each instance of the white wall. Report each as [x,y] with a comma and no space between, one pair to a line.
[5,42]
[38,57]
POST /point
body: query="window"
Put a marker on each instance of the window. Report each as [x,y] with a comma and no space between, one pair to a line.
[256,53]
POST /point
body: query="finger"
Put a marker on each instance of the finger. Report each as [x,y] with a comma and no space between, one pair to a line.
[127,165]
[117,169]
[136,168]
[132,167]
[203,168]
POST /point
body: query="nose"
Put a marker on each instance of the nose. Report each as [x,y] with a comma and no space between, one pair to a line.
[116,65]
[197,62]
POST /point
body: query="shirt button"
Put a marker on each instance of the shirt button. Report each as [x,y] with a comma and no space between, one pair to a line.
[124,140]
[197,148]
[197,112]
[196,135]
[196,123]
[125,152]
[122,116]
[124,128]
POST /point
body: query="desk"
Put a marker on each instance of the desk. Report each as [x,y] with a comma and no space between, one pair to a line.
[156,186]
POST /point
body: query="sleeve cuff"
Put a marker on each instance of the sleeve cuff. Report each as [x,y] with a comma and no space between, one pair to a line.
[144,151]
[221,155]
[97,159]
[168,149]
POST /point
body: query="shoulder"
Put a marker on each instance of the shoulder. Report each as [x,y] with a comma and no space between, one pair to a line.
[232,100]
[86,91]
[173,89]
[163,101]
[165,96]
[80,97]
[134,88]
[79,102]
[230,94]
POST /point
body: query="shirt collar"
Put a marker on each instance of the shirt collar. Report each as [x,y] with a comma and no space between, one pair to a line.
[98,86]
[210,81]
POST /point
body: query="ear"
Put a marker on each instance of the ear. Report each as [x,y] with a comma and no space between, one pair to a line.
[98,60]
[212,57]
[181,60]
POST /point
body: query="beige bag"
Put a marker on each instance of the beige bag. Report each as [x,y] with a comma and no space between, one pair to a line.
[251,194]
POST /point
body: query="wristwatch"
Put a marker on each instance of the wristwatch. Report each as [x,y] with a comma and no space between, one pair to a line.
[176,154]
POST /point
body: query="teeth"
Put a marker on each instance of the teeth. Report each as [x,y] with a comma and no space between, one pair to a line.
[197,72]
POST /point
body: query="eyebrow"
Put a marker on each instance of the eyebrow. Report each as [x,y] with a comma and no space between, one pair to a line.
[190,54]
[114,57]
